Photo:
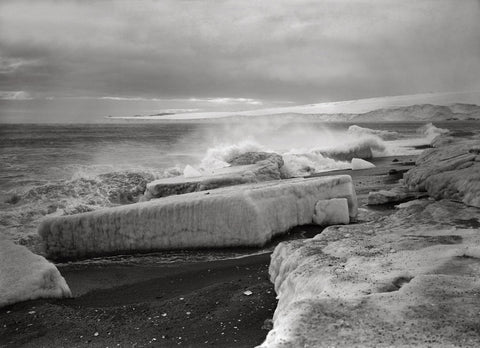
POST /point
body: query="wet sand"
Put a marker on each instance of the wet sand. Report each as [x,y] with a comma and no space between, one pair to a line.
[200,304]
[197,304]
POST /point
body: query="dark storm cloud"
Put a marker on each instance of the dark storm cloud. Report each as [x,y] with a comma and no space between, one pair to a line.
[296,50]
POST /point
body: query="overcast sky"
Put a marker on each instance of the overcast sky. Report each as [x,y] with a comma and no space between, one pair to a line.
[203,53]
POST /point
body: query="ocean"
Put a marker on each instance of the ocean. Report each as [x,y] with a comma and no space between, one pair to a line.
[60,169]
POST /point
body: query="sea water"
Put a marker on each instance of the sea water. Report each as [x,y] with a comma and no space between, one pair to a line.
[58,169]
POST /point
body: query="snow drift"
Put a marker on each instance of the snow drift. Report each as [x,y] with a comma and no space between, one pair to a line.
[27,276]
[245,215]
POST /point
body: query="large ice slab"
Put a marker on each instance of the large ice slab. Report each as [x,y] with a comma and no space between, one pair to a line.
[451,170]
[27,276]
[410,279]
[331,212]
[245,215]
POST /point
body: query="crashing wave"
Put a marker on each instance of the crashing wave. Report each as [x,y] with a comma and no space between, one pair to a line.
[383,134]
[22,211]
[220,156]
[302,161]
[430,131]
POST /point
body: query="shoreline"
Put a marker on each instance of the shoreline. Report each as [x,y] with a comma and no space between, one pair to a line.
[191,305]
[124,303]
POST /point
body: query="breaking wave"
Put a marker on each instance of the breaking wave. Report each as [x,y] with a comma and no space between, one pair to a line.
[305,150]
[430,131]
[23,209]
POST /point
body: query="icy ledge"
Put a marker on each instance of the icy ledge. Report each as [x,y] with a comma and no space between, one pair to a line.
[244,215]
[450,170]
[26,276]
[410,279]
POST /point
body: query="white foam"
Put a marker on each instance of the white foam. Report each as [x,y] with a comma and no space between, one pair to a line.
[305,149]
[430,131]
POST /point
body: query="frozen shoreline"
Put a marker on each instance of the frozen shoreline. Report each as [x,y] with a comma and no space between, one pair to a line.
[218,300]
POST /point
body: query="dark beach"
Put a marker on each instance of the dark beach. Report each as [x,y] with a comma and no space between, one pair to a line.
[195,304]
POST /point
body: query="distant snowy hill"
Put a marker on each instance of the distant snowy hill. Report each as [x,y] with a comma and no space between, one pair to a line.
[424,112]
[412,113]
[417,107]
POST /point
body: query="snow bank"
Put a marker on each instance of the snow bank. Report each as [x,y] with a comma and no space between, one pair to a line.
[247,215]
[27,276]
[358,163]
[350,285]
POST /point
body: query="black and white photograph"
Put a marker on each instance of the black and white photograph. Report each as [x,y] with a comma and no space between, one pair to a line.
[239,173]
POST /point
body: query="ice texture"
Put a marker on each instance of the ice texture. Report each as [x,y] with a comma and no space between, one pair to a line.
[409,279]
[331,212]
[395,195]
[358,163]
[450,170]
[27,276]
[266,169]
[244,215]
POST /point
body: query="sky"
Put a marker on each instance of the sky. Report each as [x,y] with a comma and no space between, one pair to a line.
[77,61]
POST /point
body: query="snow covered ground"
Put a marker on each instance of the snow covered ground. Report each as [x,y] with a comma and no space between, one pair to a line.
[410,279]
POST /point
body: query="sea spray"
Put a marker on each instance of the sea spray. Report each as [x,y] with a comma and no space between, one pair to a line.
[220,155]
[83,193]
[430,131]
[90,170]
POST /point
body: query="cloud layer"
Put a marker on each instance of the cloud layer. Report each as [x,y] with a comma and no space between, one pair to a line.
[257,50]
